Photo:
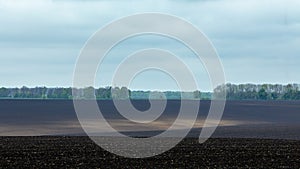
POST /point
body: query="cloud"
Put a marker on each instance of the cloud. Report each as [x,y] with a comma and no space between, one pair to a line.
[256,40]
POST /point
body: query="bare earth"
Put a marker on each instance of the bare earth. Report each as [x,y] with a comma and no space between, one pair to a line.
[81,152]
[252,134]
[255,119]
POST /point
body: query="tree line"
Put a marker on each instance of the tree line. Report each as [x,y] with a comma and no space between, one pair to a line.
[91,92]
[260,91]
[233,91]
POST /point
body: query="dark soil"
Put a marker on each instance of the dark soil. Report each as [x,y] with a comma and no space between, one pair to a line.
[81,152]
[28,111]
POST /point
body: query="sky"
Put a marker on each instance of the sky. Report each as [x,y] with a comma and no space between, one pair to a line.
[257,40]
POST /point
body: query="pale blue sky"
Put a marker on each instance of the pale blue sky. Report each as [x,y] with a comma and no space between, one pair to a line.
[257,40]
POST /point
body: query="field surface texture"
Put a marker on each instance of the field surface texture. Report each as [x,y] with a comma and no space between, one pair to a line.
[80,152]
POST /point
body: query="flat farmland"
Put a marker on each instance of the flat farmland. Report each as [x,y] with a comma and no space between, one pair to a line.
[258,119]
[252,134]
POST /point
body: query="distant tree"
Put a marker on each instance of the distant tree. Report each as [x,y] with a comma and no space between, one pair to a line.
[289,94]
[89,93]
[275,95]
[262,94]
[197,94]
[4,92]
[297,95]
[122,93]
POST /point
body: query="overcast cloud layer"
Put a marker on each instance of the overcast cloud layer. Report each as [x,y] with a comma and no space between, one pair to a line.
[257,40]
